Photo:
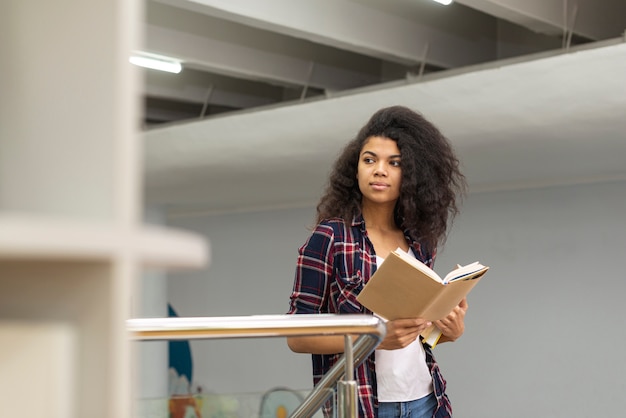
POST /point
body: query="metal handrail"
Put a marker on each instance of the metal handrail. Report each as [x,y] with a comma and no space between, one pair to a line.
[370,329]
[363,347]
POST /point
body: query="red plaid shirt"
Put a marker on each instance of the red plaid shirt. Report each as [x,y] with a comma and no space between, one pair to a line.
[333,266]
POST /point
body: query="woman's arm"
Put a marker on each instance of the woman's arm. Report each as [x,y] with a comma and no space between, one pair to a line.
[331,344]
[311,290]
[400,333]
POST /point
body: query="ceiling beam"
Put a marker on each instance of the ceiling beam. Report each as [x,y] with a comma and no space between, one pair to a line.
[351,26]
[208,95]
[204,88]
[241,61]
[592,19]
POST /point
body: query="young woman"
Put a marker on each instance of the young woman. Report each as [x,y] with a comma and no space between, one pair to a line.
[395,185]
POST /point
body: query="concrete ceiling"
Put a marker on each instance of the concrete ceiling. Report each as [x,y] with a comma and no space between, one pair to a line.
[531,93]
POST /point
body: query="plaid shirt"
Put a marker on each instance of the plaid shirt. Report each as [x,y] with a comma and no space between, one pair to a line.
[333,266]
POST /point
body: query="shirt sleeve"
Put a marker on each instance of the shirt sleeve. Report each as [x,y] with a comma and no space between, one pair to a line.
[314,271]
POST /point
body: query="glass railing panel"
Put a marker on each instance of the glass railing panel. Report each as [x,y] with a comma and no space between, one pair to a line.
[274,403]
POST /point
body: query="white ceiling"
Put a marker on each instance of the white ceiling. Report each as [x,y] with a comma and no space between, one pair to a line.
[516,119]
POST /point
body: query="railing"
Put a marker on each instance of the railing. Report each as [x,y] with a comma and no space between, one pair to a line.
[370,330]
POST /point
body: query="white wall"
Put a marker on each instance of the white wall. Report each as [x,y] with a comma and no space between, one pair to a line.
[253,258]
[544,333]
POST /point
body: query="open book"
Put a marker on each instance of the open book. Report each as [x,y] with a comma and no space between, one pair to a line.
[404,287]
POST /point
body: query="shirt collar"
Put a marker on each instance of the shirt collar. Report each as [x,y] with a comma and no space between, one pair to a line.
[359,221]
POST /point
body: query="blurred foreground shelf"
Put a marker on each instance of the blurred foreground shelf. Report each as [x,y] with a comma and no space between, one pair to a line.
[72,239]
[27,238]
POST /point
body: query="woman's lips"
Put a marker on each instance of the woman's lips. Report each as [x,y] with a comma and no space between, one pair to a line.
[379,186]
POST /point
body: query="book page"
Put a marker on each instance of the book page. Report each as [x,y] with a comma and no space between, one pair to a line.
[467,272]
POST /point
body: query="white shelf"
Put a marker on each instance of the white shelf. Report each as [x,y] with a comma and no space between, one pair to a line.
[171,248]
[36,238]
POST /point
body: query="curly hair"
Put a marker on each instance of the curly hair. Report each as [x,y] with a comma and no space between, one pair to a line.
[431,186]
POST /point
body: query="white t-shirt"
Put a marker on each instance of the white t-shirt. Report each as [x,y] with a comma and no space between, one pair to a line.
[402,375]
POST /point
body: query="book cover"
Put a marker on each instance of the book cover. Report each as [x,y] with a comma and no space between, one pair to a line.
[404,287]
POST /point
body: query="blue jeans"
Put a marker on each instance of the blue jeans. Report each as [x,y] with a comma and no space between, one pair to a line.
[420,408]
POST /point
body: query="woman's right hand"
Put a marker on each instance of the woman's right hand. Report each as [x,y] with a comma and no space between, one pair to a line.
[402,332]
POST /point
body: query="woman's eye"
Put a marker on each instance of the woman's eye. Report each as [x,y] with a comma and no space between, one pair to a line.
[368,160]
[395,163]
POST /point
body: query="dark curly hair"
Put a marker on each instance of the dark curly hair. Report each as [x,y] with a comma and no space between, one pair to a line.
[431,186]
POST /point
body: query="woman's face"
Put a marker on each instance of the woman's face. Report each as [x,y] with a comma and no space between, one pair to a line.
[378,172]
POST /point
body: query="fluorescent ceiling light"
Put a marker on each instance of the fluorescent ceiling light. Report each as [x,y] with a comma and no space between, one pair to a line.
[444,2]
[156,62]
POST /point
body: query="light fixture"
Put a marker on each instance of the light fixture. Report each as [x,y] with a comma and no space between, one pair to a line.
[444,2]
[156,62]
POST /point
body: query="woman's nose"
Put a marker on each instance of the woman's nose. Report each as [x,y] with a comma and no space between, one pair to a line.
[380,169]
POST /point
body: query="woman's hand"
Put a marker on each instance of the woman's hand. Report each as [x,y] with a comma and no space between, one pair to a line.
[453,325]
[402,332]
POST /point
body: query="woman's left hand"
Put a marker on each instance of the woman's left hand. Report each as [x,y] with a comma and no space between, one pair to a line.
[453,325]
